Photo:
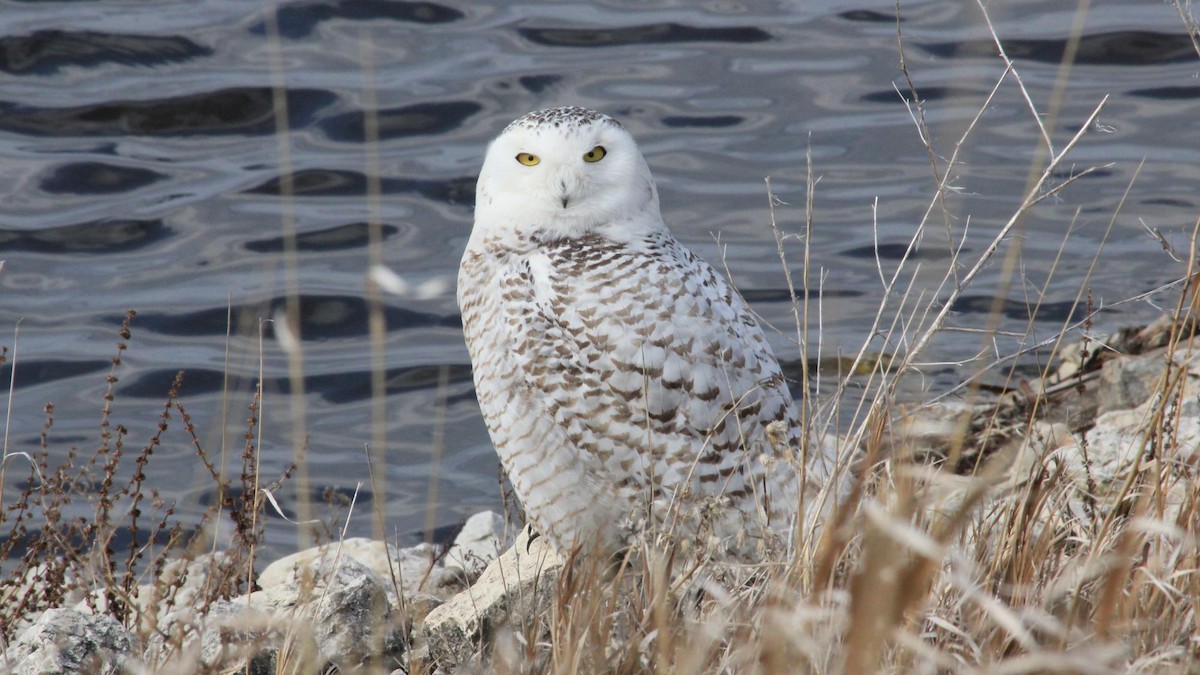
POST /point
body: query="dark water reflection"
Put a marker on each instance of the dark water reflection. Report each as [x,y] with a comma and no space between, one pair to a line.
[652,34]
[141,168]
[1118,48]
[97,236]
[45,52]
[326,183]
[298,20]
[84,178]
[415,120]
[240,111]
[321,318]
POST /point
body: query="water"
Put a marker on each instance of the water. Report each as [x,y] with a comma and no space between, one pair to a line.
[140,168]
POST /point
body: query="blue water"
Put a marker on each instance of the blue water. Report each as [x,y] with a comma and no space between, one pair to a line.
[140,168]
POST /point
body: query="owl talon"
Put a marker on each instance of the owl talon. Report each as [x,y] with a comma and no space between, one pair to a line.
[533,535]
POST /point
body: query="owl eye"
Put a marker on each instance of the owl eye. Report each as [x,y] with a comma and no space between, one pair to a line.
[529,159]
[595,154]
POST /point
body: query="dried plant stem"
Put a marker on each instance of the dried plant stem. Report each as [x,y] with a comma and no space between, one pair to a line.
[287,196]
[12,386]
[376,319]
[1033,196]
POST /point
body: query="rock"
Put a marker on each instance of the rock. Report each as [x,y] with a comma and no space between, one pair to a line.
[1114,443]
[1043,441]
[480,541]
[1129,382]
[1129,396]
[346,608]
[31,591]
[343,606]
[1009,468]
[1072,357]
[229,636]
[324,612]
[190,578]
[934,428]
[66,641]
[417,569]
[181,584]
[514,589]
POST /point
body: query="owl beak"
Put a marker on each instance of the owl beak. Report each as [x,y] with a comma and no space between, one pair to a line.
[570,188]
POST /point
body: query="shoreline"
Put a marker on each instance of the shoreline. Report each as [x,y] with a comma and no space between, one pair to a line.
[364,606]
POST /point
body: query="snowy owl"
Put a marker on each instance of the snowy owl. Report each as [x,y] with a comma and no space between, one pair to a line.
[628,389]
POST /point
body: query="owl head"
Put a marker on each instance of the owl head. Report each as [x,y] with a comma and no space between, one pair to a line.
[565,171]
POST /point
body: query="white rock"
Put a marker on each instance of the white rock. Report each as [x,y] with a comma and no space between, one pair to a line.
[345,609]
[415,569]
[514,588]
[1121,438]
[324,615]
[1116,439]
[228,637]
[179,586]
[1114,443]
[480,541]
[66,641]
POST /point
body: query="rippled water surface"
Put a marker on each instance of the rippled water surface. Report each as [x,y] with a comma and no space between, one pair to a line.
[142,167]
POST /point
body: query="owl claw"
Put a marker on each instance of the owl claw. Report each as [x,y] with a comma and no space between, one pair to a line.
[533,535]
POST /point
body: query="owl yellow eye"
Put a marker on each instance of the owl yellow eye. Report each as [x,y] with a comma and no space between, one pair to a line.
[595,154]
[528,159]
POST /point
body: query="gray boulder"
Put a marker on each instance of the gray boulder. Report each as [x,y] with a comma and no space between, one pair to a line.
[343,605]
[65,641]
[225,637]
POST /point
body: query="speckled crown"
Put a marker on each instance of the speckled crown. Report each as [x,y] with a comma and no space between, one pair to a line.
[570,117]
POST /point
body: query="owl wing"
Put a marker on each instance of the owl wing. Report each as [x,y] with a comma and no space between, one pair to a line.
[651,366]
